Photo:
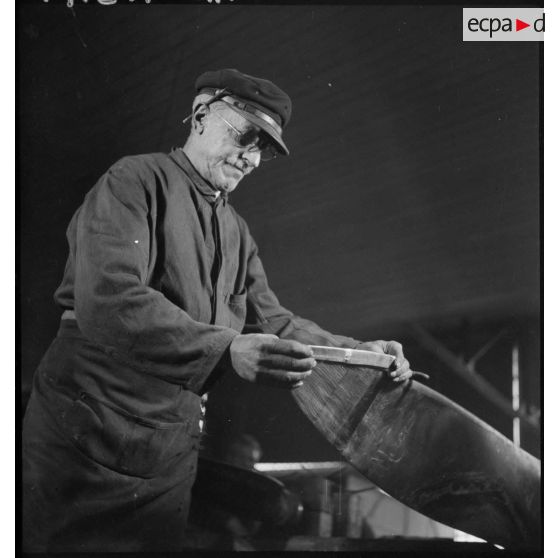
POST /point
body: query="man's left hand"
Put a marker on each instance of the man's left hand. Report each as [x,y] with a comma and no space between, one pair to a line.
[402,369]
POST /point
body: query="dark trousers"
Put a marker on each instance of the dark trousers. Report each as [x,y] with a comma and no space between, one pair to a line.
[107,465]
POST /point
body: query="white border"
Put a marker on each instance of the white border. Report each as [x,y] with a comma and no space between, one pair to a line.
[7,38]
[7,234]
[550,275]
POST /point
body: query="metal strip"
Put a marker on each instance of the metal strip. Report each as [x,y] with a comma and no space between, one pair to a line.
[358,357]
[252,110]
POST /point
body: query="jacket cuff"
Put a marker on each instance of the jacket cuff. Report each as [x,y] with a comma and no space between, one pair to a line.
[217,362]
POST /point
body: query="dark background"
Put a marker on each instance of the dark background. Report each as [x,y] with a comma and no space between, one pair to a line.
[411,195]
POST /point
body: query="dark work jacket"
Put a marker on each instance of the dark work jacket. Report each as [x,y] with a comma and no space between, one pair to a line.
[162,274]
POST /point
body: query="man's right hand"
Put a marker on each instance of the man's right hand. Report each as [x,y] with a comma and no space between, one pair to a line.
[266,359]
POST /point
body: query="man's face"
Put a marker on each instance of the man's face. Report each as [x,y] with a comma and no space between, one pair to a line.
[225,163]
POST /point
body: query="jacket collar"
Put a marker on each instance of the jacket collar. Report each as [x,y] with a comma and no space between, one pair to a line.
[203,187]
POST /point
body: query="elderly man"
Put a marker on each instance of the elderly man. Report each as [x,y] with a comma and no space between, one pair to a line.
[162,293]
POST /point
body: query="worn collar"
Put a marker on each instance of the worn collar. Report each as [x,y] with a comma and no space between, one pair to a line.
[203,187]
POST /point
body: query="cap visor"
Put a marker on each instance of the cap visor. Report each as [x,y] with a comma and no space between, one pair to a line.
[265,127]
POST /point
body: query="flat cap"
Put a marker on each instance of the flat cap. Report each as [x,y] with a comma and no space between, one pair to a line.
[258,100]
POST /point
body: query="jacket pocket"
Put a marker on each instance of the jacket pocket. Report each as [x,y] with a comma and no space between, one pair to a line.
[237,310]
[124,442]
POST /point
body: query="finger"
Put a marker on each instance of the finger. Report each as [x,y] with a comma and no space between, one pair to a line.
[394,348]
[289,364]
[281,385]
[374,346]
[266,337]
[403,367]
[282,378]
[299,378]
[290,348]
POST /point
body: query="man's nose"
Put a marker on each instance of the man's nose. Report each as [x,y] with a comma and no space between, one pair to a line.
[253,157]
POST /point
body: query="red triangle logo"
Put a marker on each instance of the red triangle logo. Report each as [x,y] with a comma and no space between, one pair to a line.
[519,25]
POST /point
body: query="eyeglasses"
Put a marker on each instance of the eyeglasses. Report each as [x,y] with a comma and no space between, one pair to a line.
[252,139]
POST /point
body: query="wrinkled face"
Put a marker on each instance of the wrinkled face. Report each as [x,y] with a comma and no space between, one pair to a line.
[224,162]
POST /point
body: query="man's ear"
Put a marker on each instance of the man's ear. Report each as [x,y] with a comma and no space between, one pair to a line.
[200,112]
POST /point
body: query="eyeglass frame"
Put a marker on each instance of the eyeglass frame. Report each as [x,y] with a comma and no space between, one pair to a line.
[217,97]
[254,146]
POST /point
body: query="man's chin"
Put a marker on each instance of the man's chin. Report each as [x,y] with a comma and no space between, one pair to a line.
[228,184]
[229,189]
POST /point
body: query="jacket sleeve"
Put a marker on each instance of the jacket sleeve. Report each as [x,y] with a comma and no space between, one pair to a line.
[266,315]
[114,306]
